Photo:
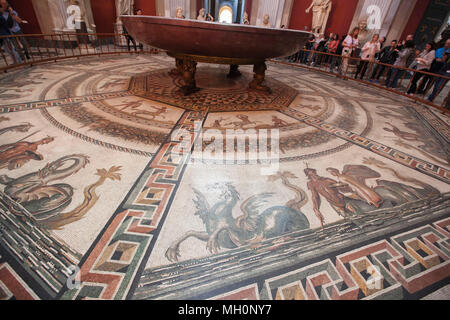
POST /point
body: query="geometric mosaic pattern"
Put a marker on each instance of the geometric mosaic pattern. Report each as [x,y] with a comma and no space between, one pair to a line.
[60,102]
[399,253]
[398,261]
[233,95]
[24,242]
[12,286]
[383,150]
[409,261]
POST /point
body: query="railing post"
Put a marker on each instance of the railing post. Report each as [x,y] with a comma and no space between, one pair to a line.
[29,49]
[78,45]
[85,44]
[63,44]
[101,45]
[55,47]
[46,46]
[411,81]
[71,45]
[11,50]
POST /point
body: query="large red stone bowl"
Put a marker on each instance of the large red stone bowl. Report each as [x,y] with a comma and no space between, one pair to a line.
[213,39]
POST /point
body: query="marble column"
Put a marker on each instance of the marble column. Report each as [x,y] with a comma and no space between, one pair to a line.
[286,18]
[53,16]
[400,20]
[254,12]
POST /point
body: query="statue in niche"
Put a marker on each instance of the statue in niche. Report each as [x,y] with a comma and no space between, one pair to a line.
[76,15]
[245,18]
[266,21]
[364,33]
[321,11]
[124,8]
[179,13]
[202,16]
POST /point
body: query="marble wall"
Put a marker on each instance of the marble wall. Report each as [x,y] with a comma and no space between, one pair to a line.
[394,15]
[397,17]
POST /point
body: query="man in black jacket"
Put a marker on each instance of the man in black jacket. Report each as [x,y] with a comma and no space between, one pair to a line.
[7,22]
[441,82]
[388,55]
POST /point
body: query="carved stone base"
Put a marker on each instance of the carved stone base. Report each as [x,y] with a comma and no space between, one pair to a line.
[178,70]
[189,70]
[186,66]
[260,73]
[234,71]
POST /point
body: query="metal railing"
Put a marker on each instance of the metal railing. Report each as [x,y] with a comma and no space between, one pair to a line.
[22,50]
[433,87]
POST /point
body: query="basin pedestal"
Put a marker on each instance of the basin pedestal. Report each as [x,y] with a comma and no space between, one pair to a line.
[192,41]
[234,71]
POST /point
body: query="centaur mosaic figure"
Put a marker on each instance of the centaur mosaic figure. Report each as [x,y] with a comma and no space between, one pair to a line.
[350,195]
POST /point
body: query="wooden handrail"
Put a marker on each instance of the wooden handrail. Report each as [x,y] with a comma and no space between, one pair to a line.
[55,38]
[344,76]
[378,63]
[59,46]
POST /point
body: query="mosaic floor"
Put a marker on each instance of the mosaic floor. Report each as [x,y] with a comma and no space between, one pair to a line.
[101,198]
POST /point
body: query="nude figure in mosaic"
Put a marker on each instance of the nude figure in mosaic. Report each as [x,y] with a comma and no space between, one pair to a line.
[18,128]
[326,188]
[15,155]
[130,104]
[244,121]
[152,114]
[277,122]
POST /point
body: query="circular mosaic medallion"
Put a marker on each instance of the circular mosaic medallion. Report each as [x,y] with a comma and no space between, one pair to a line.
[218,93]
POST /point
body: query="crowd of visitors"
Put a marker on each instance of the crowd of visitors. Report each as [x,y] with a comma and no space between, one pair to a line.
[13,43]
[379,61]
[16,47]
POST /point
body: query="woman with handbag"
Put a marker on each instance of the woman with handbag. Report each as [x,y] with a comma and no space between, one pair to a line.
[350,44]
[368,53]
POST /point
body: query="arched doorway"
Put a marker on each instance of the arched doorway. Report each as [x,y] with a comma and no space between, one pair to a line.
[226,14]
